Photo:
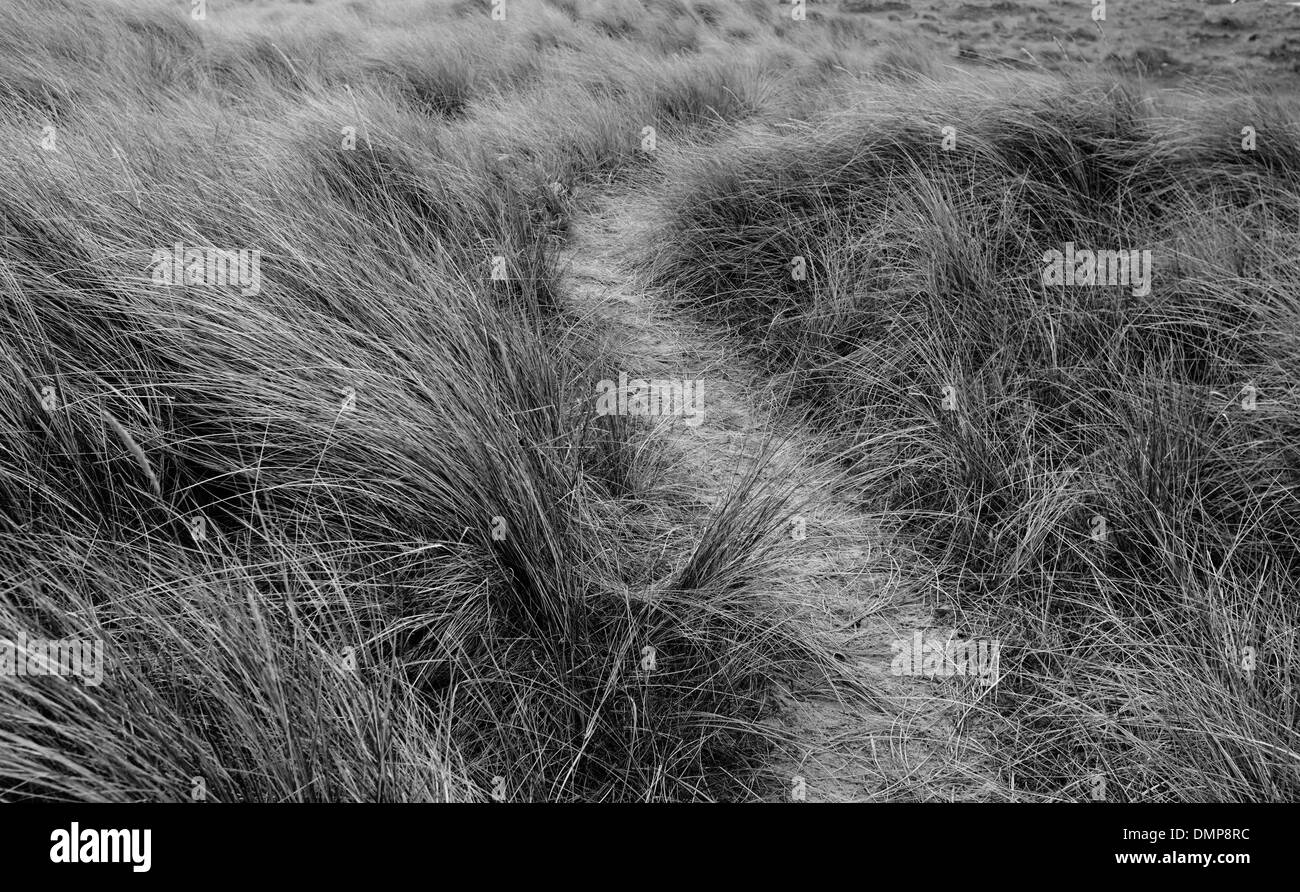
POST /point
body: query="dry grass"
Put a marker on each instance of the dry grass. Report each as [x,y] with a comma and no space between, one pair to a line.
[360,536]
[1158,662]
[357,535]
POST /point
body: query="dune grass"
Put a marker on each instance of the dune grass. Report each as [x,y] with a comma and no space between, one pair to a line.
[358,535]
[1149,659]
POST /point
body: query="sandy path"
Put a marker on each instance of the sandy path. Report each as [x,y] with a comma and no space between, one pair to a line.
[893,741]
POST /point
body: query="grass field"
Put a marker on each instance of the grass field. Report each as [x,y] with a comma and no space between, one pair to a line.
[348,522]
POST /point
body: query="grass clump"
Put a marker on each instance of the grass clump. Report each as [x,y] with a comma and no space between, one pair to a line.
[1152,658]
[355,532]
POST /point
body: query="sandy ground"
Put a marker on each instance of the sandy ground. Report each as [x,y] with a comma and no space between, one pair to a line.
[884,736]
[1253,40]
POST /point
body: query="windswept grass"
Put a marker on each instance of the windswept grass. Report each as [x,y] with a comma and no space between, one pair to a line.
[1156,661]
[358,534]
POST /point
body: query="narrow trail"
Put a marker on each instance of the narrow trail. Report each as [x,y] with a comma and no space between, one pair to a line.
[901,743]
